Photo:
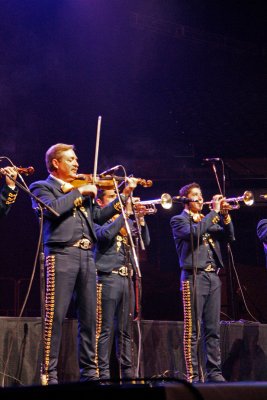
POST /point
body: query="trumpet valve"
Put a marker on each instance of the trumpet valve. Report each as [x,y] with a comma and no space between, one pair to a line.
[165,201]
[225,206]
[150,209]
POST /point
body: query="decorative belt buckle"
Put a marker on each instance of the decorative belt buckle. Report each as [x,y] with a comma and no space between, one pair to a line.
[85,244]
[209,268]
[123,271]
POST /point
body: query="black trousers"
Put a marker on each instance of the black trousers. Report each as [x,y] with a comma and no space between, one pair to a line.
[202,306]
[116,309]
[70,271]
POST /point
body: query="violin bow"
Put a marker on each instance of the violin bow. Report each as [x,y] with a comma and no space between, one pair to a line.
[97,147]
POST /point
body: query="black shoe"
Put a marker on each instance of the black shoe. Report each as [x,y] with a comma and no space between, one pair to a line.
[52,380]
[216,379]
[90,381]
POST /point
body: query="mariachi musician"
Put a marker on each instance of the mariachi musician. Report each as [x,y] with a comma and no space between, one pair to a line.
[9,191]
[69,240]
[262,235]
[198,239]
[115,265]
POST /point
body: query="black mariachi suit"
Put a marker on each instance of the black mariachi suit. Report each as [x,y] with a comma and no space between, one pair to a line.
[262,234]
[115,296]
[7,198]
[69,270]
[207,236]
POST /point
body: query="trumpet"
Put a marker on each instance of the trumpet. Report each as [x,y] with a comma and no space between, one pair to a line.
[165,201]
[247,198]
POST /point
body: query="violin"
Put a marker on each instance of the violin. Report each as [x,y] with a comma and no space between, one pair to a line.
[105,183]
[26,171]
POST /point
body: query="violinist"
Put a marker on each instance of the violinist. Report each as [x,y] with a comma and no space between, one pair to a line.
[9,191]
[116,300]
[69,240]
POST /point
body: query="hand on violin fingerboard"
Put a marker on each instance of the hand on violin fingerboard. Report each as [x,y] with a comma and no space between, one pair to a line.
[90,190]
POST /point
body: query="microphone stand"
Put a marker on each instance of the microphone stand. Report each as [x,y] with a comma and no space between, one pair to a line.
[136,262]
[138,230]
[138,293]
[42,292]
[41,207]
[216,177]
[132,246]
[138,296]
[229,278]
[194,300]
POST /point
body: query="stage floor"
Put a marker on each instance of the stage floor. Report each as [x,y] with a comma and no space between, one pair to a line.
[243,349]
[156,390]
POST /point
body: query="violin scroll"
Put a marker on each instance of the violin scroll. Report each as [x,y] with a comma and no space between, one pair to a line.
[144,182]
[140,181]
[26,171]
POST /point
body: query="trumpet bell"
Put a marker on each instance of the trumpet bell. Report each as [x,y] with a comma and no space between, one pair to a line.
[248,198]
[166,201]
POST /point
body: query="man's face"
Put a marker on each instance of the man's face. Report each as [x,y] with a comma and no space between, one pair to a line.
[107,198]
[195,194]
[66,166]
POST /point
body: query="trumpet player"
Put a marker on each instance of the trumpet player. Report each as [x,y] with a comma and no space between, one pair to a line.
[9,191]
[114,264]
[198,239]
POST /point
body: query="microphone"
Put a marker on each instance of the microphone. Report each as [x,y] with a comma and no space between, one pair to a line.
[263,196]
[6,158]
[211,159]
[109,170]
[183,199]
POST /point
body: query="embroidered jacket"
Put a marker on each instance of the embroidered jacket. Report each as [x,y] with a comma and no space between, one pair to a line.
[211,228]
[111,247]
[7,198]
[59,230]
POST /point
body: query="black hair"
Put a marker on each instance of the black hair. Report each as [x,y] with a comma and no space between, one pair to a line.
[184,191]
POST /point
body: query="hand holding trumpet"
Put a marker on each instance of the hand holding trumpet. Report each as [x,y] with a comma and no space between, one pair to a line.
[220,205]
[140,209]
[231,203]
[133,206]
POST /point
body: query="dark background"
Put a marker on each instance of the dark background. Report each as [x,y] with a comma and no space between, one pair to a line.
[175,82]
